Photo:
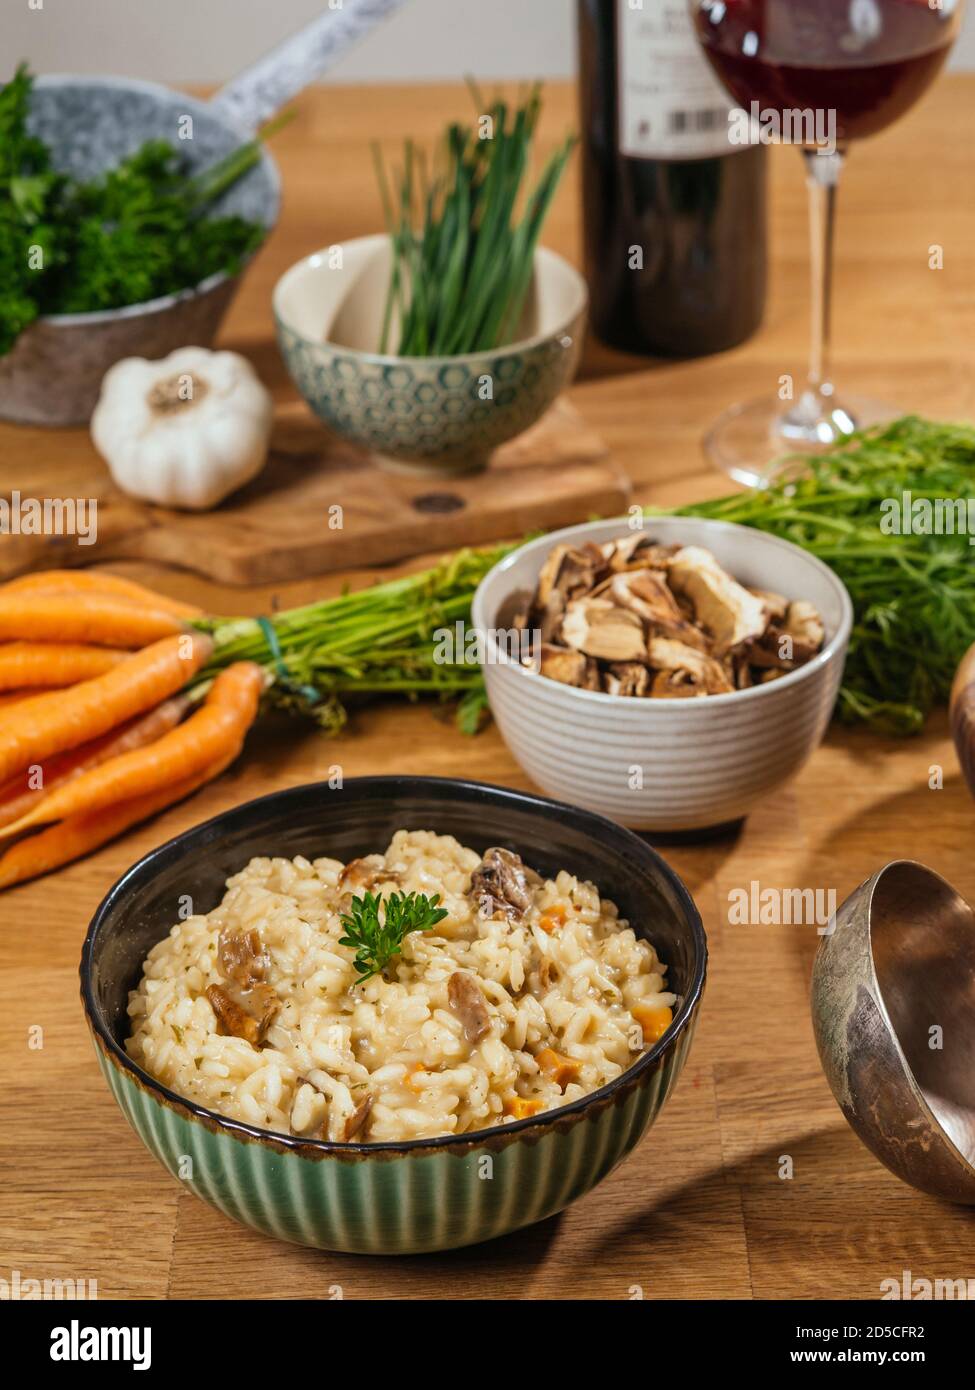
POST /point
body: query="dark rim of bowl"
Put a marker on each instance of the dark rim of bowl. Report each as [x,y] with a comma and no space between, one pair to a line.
[477,791]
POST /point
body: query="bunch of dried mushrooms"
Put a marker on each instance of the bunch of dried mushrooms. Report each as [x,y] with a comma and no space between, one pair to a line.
[633,617]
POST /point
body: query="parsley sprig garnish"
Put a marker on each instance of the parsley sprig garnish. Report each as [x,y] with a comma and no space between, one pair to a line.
[376,939]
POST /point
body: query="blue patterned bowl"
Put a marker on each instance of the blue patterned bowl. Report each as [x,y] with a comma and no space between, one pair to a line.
[422,1194]
[437,415]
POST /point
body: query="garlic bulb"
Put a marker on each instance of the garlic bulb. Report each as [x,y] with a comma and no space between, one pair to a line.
[185,431]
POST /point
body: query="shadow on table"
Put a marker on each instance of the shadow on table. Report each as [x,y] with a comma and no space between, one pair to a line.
[851,848]
[697,855]
[599,361]
[688,1217]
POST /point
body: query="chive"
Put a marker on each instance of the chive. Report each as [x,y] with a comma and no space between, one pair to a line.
[463,256]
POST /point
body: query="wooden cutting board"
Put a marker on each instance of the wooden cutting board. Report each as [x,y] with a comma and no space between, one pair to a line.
[320,506]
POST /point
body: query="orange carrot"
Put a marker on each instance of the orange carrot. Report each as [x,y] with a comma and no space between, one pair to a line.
[518,1107]
[561,1069]
[653,1020]
[553,918]
[70,839]
[18,797]
[98,582]
[213,732]
[53,664]
[62,719]
[105,619]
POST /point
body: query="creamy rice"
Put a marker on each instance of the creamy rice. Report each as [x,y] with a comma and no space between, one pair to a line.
[572,998]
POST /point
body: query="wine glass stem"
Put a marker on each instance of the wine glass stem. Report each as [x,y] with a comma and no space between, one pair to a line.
[823,170]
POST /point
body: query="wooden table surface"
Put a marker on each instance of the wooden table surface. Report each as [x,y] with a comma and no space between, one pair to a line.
[700,1209]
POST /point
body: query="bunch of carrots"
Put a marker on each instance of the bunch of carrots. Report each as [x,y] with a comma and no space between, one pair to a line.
[97,728]
[116,701]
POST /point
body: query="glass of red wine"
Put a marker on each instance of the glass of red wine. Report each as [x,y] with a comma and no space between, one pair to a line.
[822,74]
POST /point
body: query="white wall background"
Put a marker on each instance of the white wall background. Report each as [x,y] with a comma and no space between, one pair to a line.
[209,40]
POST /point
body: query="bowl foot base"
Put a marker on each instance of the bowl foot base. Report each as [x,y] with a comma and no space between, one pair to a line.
[420,468]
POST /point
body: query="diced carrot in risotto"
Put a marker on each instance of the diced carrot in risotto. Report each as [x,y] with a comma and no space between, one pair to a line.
[521,1107]
[561,1069]
[653,1020]
[553,918]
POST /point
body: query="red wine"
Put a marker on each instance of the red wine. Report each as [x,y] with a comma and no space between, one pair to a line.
[867,62]
[675,214]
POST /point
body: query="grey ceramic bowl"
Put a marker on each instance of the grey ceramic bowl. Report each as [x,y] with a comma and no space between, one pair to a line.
[422,414]
[54,371]
[893,1000]
[680,765]
[426,1194]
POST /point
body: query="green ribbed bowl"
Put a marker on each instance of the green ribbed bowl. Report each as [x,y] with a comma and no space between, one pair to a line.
[422,1195]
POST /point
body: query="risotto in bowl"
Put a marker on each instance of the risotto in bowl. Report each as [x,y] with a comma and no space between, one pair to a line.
[337,1004]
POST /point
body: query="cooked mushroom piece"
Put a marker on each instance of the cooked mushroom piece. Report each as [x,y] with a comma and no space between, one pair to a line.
[601,629]
[366,874]
[466,1000]
[502,882]
[241,1013]
[242,957]
[357,1121]
[722,606]
[309,1110]
[699,669]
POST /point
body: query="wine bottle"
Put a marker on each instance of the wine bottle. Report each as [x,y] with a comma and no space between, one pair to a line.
[674,211]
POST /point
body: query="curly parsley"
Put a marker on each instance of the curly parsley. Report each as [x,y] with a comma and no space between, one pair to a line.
[376,939]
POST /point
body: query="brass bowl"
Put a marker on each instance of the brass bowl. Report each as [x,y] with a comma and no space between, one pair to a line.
[893,1003]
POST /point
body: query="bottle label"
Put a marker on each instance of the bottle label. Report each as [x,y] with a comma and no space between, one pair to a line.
[671,105]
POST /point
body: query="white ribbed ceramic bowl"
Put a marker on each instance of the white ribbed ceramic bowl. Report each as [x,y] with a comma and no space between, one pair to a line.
[668,764]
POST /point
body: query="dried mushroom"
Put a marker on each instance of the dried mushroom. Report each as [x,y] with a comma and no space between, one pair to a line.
[786,645]
[647,594]
[804,625]
[639,619]
[599,628]
[700,670]
[775,604]
[723,607]
[563,664]
[627,678]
